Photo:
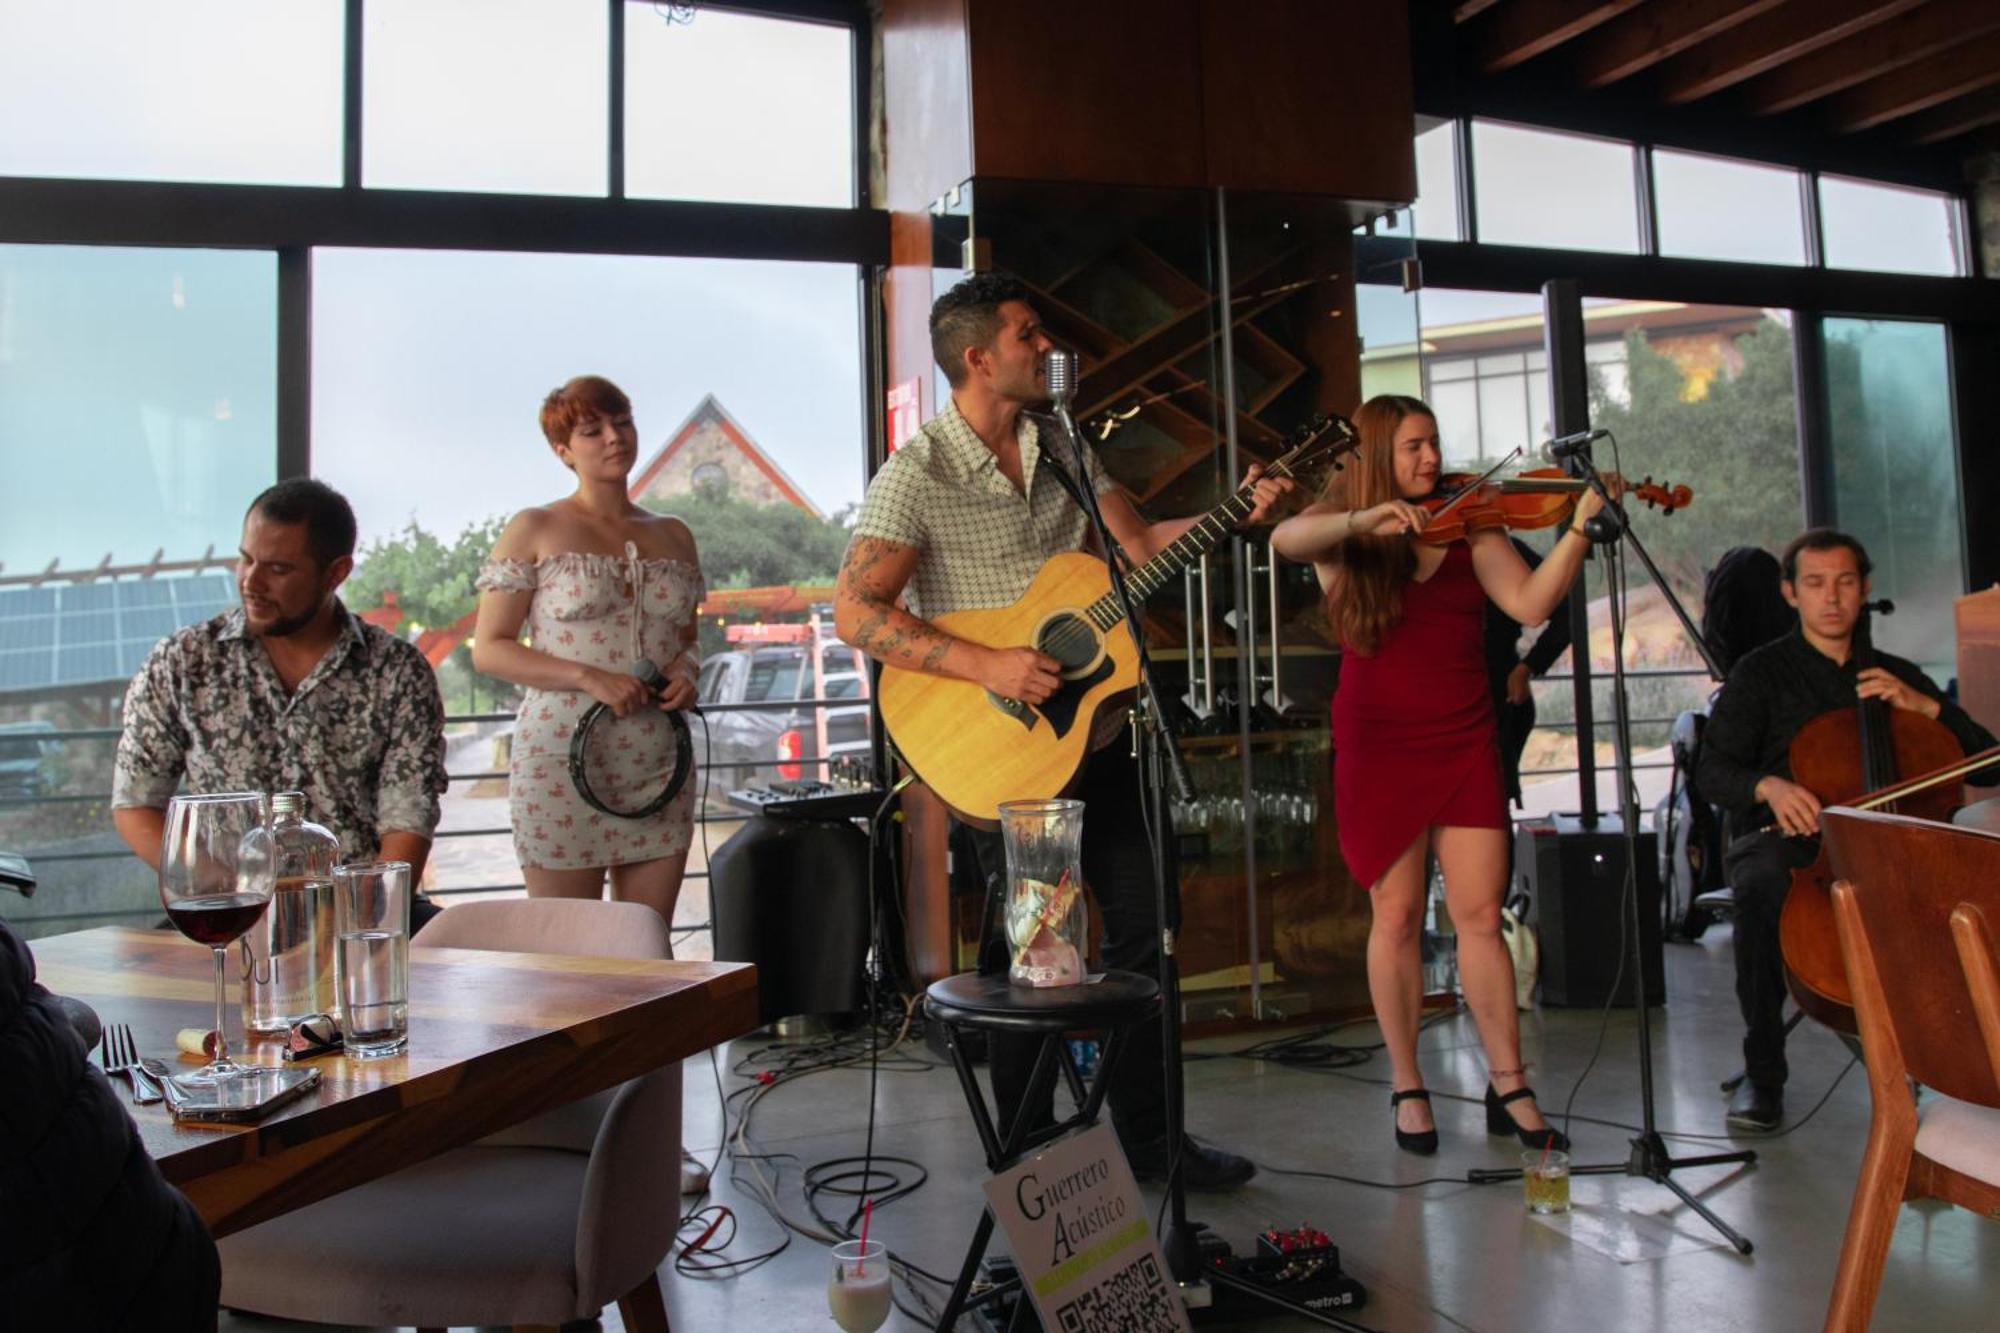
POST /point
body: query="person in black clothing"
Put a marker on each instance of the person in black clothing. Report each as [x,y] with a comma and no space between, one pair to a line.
[1743,604]
[91,1236]
[1745,766]
[1509,672]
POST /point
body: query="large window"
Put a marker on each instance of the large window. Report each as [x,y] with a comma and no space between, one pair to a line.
[137,401]
[504,95]
[1713,208]
[1485,371]
[429,370]
[1436,209]
[142,389]
[1895,475]
[1533,187]
[733,106]
[227,90]
[1895,230]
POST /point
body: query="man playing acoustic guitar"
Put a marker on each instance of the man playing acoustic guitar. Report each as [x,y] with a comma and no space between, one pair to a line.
[1745,767]
[962,516]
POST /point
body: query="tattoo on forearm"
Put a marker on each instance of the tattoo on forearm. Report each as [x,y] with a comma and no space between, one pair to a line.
[864,636]
[892,635]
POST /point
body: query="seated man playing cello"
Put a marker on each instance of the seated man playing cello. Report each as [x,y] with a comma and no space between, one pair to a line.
[1746,766]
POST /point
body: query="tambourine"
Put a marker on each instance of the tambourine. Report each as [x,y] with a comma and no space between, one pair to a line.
[579,776]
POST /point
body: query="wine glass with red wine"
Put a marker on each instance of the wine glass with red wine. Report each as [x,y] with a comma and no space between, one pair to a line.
[215,884]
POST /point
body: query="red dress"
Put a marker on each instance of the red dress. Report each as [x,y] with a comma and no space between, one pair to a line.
[1414,738]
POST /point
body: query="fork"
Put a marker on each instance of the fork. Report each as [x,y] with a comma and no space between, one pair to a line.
[120,1055]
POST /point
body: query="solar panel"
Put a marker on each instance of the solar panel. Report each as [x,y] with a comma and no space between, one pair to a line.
[146,592]
[150,623]
[88,627]
[205,589]
[27,601]
[28,632]
[87,662]
[98,634]
[24,671]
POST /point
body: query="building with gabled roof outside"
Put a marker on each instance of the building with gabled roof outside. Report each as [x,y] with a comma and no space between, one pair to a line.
[711,449]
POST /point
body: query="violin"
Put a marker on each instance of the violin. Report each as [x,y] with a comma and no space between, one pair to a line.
[1466,503]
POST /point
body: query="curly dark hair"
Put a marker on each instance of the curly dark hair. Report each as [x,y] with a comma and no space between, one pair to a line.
[1823,539]
[969,316]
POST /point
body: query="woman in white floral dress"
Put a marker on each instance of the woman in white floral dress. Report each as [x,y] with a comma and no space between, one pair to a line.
[599,583]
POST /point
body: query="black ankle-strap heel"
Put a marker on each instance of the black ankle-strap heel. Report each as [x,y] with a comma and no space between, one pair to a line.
[1499,1120]
[1425,1141]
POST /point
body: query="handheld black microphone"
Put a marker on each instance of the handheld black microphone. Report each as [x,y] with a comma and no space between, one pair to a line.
[1564,447]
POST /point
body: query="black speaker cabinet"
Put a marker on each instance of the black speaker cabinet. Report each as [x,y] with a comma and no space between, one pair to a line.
[1575,881]
[791,896]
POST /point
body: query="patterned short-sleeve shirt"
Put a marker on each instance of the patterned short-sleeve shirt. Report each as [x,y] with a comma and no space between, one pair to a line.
[981,540]
[362,736]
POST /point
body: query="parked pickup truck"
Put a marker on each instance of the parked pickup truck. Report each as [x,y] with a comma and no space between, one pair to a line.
[790,742]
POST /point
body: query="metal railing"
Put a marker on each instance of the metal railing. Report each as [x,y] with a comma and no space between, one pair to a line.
[704,815]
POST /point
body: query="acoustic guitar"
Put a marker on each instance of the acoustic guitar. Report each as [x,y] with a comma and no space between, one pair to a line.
[974,748]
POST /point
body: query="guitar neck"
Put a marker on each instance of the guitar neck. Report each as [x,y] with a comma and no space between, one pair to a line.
[1184,550]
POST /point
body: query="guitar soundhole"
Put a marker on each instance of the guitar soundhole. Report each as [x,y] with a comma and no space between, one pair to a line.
[1070,639]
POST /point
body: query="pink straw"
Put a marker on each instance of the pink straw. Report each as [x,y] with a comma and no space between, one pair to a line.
[867,1209]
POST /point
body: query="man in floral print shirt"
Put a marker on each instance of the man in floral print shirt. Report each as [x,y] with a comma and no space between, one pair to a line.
[289,692]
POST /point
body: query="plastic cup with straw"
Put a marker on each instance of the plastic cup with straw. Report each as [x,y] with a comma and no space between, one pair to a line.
[858,1294]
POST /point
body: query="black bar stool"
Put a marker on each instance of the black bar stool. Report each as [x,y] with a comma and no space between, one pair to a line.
[1113,1004]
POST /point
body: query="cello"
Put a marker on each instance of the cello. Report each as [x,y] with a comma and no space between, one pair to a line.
[1859,757]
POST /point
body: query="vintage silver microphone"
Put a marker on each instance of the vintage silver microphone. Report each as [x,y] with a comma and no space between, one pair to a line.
[1059,377]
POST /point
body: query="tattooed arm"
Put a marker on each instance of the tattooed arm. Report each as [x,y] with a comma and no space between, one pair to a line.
[866,615]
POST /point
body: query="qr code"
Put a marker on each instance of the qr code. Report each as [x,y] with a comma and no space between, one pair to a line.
[1135,1299]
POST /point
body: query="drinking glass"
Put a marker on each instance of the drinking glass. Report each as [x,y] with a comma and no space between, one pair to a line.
[371,912]
[215,881]
[857,1293]
[1545,1181]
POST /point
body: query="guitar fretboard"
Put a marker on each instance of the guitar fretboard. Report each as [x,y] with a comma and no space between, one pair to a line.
[1185,549]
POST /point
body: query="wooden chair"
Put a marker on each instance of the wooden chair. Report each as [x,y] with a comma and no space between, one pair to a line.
[547,1222]
[1917,905]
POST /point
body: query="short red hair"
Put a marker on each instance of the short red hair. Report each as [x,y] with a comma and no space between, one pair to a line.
[578,401]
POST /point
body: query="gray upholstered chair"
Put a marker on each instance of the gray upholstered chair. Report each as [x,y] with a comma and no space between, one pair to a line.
[549,1221]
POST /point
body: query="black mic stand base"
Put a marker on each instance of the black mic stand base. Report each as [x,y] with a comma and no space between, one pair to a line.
[1650,1159]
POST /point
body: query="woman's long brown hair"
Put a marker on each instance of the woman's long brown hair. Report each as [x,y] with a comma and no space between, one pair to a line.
[1364,597]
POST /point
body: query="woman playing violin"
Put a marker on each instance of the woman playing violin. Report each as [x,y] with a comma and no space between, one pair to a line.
[1745,767]
[1416,755]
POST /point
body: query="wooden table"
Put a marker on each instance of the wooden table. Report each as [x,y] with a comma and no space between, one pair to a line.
[494,1039]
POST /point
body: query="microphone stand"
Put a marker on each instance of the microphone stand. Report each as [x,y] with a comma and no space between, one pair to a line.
[1159,755]
[1649,1157]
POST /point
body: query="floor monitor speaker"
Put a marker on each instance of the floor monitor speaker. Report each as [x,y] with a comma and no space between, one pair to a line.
[1575,881]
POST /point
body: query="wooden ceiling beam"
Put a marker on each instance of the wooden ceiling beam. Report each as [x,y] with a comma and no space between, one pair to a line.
[1962,116]
[1639,40]
[1795,29]
[1965,68]
[1528,28]
[1900,41]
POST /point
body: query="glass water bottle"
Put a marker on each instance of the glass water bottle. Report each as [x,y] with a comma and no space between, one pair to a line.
[288,956]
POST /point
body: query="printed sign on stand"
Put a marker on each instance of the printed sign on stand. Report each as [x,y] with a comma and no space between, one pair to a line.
[1083,1242]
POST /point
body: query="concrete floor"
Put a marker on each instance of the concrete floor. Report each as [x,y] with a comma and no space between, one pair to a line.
[1437,1256]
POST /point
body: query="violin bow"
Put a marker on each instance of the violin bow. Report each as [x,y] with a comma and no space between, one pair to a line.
[1470,487]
